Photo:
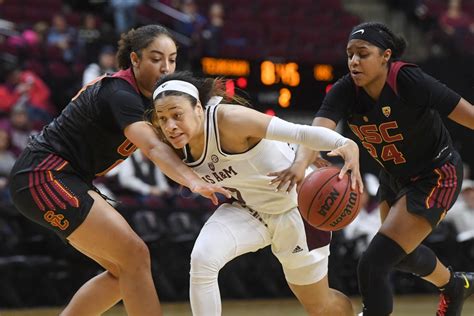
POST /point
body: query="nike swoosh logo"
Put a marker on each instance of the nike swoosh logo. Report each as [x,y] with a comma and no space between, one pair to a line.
[442,150]
[466,285]
[359,31]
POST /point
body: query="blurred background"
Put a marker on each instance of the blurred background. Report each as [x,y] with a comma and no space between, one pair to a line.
[283,55]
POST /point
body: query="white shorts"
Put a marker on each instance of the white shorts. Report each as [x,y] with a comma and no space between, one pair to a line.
[302,251]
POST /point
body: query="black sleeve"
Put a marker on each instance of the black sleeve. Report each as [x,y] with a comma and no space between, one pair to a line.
[125,104]
[339,100]
[417,88]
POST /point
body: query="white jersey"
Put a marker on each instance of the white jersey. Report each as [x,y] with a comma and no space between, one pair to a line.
[245,174]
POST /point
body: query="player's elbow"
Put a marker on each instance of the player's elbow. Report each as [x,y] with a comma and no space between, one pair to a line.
[471,123]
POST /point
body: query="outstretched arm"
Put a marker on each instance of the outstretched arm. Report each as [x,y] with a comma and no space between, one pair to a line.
[248,123]
[142,135]
[305,156]
[320,138]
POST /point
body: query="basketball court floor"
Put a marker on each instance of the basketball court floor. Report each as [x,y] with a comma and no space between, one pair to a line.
[404,306]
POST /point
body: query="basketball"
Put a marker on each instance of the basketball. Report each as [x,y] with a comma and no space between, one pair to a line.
[326,202]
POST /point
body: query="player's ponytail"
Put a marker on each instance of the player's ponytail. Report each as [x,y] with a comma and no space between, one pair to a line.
[400,46]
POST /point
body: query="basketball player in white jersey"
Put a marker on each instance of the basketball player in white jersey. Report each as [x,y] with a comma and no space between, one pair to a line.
[237,147]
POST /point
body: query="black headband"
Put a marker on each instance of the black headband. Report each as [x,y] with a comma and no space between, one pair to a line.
[372,35]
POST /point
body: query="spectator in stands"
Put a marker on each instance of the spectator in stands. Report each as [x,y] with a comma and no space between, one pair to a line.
[62,36]
[417,11]
[25,88]
[7,160]
[456,25]
[105,64]
[125,14]
[19,127]
[24,39]
[89,38]
[139,175]
[212,33]
[41,29]
[195,21]
[462,214]
[191,27]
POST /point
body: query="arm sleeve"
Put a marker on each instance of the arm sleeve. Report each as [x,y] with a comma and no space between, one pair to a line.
[314,137]
[338,100]
[420,89]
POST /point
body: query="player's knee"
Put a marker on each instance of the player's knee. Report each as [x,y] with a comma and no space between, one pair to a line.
[335,303]
[211,255]
[114,272]
[366,265]
[135,255]
[380,257]
[316,302]
[341,304]
[421,261]
[317,310]
[309,274]
[204,263]
[112,269]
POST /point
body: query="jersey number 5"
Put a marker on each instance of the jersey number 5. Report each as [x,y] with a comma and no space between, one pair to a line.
[125,149]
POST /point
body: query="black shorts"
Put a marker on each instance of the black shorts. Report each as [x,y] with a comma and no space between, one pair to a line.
[47,190]
[430,194]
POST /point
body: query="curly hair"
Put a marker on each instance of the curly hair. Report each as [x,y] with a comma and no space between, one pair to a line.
[137,39]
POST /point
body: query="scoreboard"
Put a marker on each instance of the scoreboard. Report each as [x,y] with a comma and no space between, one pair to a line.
[276,85]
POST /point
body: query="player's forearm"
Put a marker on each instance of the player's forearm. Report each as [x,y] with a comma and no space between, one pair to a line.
[172,166]
[314,137]
[305,156]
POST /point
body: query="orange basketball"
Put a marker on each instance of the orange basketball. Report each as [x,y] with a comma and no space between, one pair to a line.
[326,202]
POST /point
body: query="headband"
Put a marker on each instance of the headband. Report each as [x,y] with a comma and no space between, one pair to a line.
[177,85]
[373,36]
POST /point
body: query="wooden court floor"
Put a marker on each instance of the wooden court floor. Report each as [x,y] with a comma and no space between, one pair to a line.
[404,306]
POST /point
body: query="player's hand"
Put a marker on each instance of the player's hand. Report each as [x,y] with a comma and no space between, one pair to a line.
[209,191]
[320,162]
[350,153]
[289,177]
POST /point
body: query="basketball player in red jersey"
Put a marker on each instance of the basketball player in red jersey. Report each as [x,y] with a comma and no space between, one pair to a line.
[103,124]
[395,109]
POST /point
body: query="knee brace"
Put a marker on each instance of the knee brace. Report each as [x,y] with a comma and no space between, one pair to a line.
[308,274]
[373,272]
[421,262]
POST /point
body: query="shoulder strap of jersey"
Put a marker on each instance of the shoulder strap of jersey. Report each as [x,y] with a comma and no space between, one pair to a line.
[213,141]
[393,74]
[128,76]
[209,139]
